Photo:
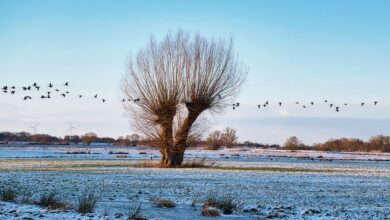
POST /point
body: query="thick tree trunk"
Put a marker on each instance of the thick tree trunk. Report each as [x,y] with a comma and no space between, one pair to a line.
[177,155]
[176,158]
[166,144]
[172,154]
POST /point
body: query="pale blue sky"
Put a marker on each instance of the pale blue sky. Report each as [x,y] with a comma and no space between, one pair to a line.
[295,51]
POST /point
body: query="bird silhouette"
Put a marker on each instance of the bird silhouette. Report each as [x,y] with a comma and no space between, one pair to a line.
[66,84]
[376,102]
[258,106]
[28,87]
[345,104]
[362,104]
[137,100]
[80,96]
[304,106]
[234,107]
[13,87]
[123,100]
[297,103]
[326,100]
[12,92]
[312,103]
[95,96]
[331,105]
[37,88]
[5,87]
[34,84]
[63,94]
[280,104]
[27,97]
[337,109]
[219,96]
[103,100]
[57,90]
[50,85]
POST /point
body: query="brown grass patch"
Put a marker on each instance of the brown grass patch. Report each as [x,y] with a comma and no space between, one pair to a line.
[210,212]
[163,203]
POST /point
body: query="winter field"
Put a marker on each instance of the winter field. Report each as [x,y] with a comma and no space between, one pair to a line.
[263,184]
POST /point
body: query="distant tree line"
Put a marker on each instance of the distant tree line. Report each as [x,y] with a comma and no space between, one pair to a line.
[214,141]
[379,143]
[86,139]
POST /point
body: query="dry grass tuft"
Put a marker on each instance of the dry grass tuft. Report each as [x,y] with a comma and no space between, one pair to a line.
[135,213]
[198,164]
[147,163]
[51,202]
[225,204]
[163,203]
[210,212]
[8,195]
[87,203]
[26,198]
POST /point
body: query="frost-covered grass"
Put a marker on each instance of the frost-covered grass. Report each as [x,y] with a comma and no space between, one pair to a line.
[257,186]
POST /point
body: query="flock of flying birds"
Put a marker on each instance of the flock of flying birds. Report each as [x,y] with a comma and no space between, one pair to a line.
[50,90]
[336,108]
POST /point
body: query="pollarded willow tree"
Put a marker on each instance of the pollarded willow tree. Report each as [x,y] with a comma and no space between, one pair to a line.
[173,82]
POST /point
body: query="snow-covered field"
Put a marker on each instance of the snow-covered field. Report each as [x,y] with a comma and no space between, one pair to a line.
[268,184]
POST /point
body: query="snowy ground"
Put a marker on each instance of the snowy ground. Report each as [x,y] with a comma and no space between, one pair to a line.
[312,185]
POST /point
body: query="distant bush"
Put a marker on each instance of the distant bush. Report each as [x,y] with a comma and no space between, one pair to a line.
[229,137]
[87,203]
[88,138]
[50,201]
[378,143]
[214,140]
[8,195]
[293,143]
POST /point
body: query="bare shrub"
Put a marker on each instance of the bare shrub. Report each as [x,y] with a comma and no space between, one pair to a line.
[88,138]
[214,140]
[229,137]
[87,203]
[293,143]
[50,201]
[8,195]
[163,203]
[379,143]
